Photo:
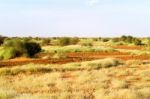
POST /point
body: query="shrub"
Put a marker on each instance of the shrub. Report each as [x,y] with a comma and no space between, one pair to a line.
[119,84]
[64,41]
[13,43]
[133,62]
[144,92]
[148,43]
[9,53]
[86,44]
[115,39]
[59,56]
[137,42]
[46,41]
[68,41]
[32,48]
[55,42]
[110,62]
[105,40]
[130,39]
[2,39]
[103,63]
[7,94]
[16,48]
[13,48]
[74,40]
[123,38]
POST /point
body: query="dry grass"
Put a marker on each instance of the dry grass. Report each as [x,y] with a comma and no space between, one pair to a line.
[32,68]
[116,82]
[77,48]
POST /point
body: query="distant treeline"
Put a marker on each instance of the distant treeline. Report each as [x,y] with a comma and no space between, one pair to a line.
[62,41]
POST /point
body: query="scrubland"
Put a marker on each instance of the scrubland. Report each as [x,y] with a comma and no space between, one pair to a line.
[99,79]
[100,68]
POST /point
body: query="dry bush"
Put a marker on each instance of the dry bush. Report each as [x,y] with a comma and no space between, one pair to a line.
[103,63]
[119,84]
[7,94]
[133,62]
[144,93]
[59,56]
[116,94]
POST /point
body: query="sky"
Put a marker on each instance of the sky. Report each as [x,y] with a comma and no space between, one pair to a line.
[86,18]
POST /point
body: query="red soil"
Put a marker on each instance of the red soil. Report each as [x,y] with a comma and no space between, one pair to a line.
[74,57]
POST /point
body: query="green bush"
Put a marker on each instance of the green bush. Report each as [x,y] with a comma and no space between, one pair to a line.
[16,48]
[115,39]
[130,39]
[87,44]
[13,43]
[68,41]
[148,43]
[46,41]
[8,53]
[2,39]
[64,41]
[32,48]
[105,40]
[137,42]
[74,41]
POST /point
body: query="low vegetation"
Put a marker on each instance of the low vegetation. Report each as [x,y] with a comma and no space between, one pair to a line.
[33,68]
[74,68]
[121,82]
[17,48]
[76,48]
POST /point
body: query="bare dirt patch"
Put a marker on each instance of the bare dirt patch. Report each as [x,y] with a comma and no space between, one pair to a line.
[74,57]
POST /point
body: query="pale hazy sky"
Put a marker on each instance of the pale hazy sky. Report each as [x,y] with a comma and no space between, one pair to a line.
[74,17]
